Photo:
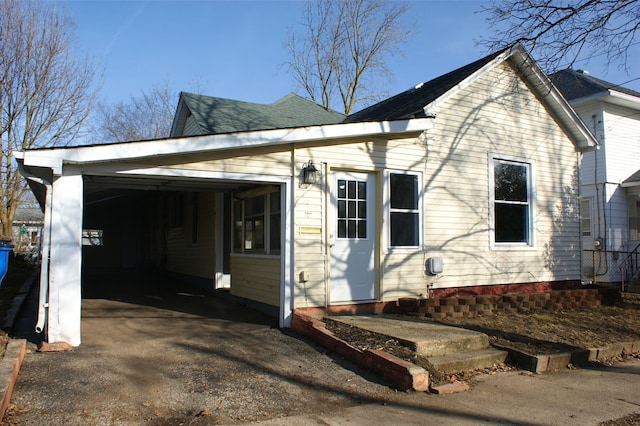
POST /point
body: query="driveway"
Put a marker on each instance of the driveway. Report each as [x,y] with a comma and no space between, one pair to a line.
[153,353]
[156,355]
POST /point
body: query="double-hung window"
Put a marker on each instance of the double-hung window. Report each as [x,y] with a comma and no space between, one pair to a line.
[404,210]
[256,217]
[511,202]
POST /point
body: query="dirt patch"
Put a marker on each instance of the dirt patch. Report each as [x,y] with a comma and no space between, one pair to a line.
[548,332]
[536,333]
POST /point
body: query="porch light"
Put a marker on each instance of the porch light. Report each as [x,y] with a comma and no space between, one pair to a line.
[309,173]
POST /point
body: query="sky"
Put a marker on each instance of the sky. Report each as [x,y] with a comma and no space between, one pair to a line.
[234,49]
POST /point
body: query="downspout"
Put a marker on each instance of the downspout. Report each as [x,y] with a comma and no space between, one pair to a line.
[43,297]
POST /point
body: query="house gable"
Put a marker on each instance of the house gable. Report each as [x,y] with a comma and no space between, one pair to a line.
[425,98]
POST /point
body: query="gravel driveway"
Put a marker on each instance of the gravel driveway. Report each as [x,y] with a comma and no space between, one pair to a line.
[157,355]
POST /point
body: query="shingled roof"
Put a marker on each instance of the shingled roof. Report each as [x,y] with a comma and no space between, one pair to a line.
[410,103]
[218,115]
[578,84]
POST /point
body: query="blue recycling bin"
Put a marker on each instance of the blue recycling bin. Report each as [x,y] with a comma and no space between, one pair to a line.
[5,249]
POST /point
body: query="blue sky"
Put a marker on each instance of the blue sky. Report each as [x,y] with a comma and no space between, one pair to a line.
[234,49]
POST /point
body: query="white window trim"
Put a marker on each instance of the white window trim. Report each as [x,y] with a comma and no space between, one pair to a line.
[387,212]
[530,244]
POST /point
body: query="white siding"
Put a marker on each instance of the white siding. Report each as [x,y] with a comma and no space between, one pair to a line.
[622,133]
[617,129]
[497,114]
[184,256]
[256,278]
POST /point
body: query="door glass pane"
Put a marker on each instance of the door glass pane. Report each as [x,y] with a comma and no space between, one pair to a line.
[342,188]
[362,190]
[362,209]
[342,209]
[351,186]
[342,228]
[352,209]
[351,229]
[362,229]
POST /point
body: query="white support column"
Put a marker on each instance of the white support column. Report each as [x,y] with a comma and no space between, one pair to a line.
[286,256]
[65,294]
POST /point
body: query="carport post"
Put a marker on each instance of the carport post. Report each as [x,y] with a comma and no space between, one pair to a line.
[63,324]
[286,258]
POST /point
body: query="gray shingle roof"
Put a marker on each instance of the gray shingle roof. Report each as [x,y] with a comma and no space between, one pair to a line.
[219,115]
[409,103]
[578,84]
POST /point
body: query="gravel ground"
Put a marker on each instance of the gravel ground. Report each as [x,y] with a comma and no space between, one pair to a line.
[204,361]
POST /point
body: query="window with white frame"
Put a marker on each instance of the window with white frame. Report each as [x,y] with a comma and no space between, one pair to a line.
[511,201]
[585,216]
[404,210]
[256,217]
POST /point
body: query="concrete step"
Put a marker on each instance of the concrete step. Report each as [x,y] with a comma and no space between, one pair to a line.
[466,361]
[450,343]
[424,337]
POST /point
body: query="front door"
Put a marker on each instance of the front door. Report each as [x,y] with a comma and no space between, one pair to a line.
[352,237]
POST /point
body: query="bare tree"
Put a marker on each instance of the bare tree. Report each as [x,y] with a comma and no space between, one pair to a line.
[343,48]
[561,32]
[148,116]
[45,89]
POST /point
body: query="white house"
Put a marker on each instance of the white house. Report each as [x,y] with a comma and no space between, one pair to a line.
[466,183]
[610,176]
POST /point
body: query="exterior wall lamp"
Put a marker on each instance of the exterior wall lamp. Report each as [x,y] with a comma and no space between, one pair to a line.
[310,173]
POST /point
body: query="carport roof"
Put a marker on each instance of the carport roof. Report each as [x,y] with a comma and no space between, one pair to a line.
[53,158]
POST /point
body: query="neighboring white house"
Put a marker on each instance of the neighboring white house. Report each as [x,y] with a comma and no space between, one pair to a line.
[465,184]
[610,176]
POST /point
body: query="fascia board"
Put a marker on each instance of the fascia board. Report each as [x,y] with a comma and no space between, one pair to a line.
[156,148]
[609,96]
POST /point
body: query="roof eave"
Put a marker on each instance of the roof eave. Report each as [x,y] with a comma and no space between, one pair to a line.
[56,157]
[576,129]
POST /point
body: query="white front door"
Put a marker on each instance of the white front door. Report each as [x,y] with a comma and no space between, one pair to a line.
[352,237]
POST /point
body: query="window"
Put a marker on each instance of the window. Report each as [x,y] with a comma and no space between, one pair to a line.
[256,221]
[585,216]
[511,201]
[92,237]
[404,215]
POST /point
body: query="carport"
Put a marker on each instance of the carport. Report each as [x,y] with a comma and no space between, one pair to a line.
[105,210]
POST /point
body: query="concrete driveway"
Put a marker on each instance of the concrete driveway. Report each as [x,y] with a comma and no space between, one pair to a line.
[159,355]
[154,353]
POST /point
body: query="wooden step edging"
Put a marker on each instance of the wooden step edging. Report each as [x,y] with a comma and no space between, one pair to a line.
[9,368]
[401,374]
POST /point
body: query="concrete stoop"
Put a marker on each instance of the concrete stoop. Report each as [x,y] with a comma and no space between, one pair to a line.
[444,348]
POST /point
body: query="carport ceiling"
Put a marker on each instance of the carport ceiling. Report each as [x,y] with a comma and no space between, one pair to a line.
[97,188]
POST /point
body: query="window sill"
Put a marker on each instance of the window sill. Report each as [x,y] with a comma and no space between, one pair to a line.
[256,255]
[512,247]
